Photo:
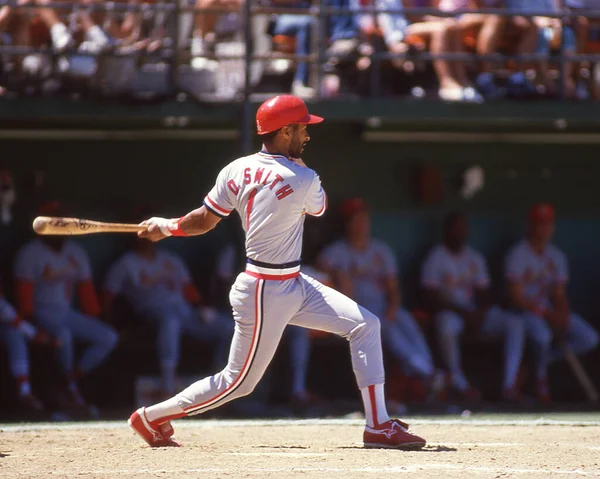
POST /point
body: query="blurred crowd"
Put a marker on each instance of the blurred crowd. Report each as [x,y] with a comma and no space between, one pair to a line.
[212,46]
[56,302]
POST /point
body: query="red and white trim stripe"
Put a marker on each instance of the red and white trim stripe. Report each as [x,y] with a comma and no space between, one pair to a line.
[218,209]
[258,311]
[273,277]
[321,212]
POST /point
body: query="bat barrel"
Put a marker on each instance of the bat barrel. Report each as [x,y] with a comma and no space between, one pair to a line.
[47,225]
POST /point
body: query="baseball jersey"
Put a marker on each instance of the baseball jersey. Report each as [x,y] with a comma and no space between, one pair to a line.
[148,283]
[367,270]
[538,273]
[52,273]
[455,275]
[271,194]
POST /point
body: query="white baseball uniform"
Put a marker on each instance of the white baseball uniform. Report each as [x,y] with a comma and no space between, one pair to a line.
[456,276]
[368,270]
[154,288]
[53,275]
[538,273]
[14,339]
[272,194]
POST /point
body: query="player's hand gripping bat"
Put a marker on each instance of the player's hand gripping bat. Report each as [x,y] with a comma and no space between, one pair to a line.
[47,225]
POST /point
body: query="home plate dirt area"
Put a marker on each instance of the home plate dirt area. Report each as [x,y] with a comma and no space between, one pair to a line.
[494,448]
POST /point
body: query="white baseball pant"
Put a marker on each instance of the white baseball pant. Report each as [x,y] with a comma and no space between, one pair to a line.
[262,309]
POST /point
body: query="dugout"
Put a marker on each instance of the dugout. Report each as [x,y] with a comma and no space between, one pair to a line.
[102,172]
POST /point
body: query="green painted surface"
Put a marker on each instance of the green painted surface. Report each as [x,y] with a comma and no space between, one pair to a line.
[105,179]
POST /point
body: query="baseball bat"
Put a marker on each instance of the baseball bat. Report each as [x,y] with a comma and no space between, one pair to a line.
[49,225]
[580,373]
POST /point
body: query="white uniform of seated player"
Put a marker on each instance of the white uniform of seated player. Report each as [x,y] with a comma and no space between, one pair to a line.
[365,269]
[159,288]
[537,273]
[456,282]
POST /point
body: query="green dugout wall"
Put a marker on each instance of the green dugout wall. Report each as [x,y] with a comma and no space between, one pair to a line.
[105,178]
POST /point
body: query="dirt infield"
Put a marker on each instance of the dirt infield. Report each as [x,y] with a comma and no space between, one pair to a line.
[298,450]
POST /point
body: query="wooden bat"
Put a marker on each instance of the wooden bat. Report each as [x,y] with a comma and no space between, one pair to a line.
[580,373]
[48,225]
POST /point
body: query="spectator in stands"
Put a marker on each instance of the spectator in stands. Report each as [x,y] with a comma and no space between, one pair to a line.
[47,270]
[550,33]
[159,288]
[44,26]
[392,26]
[445,35]
[523,33]
[206,26]
[587,31]
[456,285]
[299,27]
[341,43]
[15,333]
[365,269]
[537,274]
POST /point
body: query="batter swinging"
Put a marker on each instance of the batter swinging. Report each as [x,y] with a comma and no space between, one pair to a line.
[272,190]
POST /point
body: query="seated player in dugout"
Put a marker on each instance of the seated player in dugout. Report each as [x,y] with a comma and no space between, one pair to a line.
[457,292]
[365,269]
[159,288]
[47,271]
[16,334]
[537,273]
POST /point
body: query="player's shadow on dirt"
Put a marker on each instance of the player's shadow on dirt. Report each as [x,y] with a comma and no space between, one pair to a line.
[438,449]
[4,454]
[425,449]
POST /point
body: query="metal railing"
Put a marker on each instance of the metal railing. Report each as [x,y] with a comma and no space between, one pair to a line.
[177,54]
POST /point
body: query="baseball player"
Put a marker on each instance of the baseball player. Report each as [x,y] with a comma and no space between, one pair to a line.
[47,271]
[272,191]
[456,282]
[365,269]
[537,274]
[15,333]
[159,288]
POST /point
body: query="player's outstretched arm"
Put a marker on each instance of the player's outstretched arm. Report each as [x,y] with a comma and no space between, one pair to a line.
[195,223]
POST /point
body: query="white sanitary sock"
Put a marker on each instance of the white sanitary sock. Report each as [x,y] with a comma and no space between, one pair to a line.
[374,401]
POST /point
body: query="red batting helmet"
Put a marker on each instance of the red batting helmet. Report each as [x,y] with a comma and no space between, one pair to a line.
[283,110]
[541,212]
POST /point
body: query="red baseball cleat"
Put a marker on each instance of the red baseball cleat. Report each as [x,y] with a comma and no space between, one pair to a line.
[392,434]
[155,436]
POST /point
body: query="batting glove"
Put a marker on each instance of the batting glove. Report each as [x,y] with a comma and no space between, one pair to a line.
[165,225]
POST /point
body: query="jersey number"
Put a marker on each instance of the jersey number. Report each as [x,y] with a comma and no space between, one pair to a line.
[249,206]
